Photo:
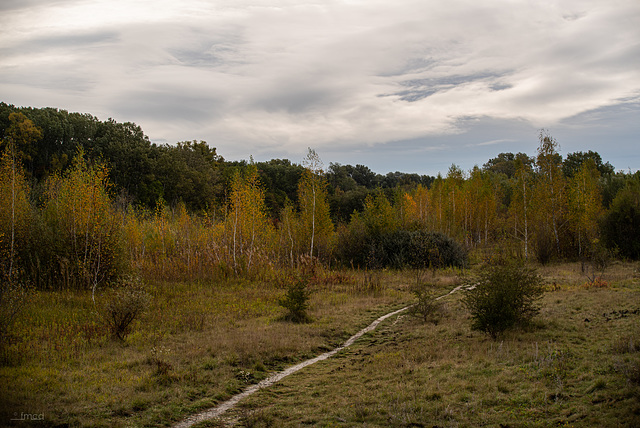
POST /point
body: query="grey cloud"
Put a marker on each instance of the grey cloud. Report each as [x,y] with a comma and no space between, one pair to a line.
[73,41]
[167,106]
[412,65]
[394,82]
[500,86]
[417,94]
[420,89]
[202,56]
[574,16]
[296,100]
[10,5]
[202,47]
[48,78]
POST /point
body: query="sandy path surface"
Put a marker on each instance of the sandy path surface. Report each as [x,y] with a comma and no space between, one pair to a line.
[221,408]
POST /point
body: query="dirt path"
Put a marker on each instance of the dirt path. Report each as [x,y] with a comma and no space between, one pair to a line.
[221,408]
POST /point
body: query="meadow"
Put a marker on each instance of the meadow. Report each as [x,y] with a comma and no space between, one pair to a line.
[577,365]
[140,296]
[199,343]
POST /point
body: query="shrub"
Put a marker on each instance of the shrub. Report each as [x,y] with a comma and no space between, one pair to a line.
[123,305]
[505,295]
[597,260]
[418,249]
[158,360]
[427,307]
[545,247]
[296,300]
[13,297]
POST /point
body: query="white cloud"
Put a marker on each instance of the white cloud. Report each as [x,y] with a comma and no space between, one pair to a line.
[264,76]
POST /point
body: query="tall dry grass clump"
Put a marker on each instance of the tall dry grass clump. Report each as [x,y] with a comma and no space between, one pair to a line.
[172,244]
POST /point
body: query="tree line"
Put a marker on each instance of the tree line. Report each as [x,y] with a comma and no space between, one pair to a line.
[85,200]
[190,172]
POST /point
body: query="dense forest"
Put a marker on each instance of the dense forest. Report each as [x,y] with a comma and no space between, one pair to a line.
[84,201]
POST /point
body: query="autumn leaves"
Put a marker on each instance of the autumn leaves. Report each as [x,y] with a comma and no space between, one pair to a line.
[256,239]
[68,232]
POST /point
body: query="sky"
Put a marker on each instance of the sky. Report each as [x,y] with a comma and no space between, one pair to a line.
[397,85]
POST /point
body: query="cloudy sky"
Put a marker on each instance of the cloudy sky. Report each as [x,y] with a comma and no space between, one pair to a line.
[407,85]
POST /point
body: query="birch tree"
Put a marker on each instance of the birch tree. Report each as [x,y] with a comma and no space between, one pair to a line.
[249,224]
[18,141]
[585,204]
[314,208]
[550,190]
[520,208]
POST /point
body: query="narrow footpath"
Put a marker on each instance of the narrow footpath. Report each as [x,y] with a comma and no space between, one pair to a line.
[221,408]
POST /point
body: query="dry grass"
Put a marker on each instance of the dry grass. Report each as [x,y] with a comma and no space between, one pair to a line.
[202,342]
[199,343]
[577,366]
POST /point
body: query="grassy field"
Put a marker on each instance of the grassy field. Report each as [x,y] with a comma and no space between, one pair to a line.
[578,366]
[199,343]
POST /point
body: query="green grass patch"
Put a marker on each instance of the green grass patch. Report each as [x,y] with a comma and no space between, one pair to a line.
[577,363]
[197,344]
[570,368]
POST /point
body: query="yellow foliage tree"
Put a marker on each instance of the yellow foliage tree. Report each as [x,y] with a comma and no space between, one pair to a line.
[85,228]
[549,195]
[455,202]
[14,216]
[585,204]
[378,215]
[420,196]
[436,220]
[252,234]
[15,212]
[408,209]
[481,199]
[317,227]
[520,207]
[288,234]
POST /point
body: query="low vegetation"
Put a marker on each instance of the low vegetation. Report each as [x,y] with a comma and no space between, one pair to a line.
[296,299]
[575,365]
[199,343]
[122,305]
[503,295]
[141,283]
[426,307]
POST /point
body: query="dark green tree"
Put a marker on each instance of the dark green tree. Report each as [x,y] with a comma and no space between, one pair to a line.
[621,224]
[506,163]
[280,178]
[574,161]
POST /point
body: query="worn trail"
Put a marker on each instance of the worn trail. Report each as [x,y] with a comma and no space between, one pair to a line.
[221,408]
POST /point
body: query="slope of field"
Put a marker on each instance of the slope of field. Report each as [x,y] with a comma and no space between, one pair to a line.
[201,343]
[578,365]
